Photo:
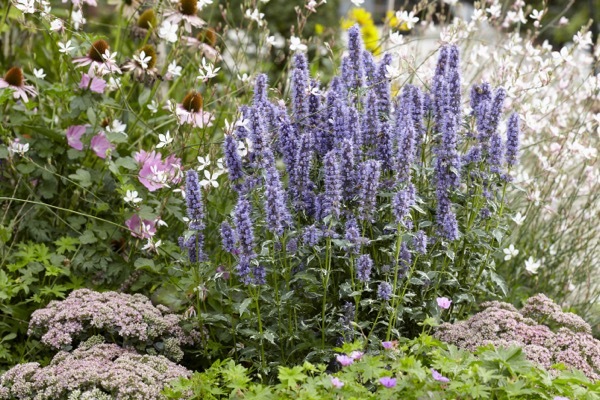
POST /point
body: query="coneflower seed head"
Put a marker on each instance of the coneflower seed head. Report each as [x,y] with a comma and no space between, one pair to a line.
[192,102]
[149,52]
[98,48]
[147,19]
[188,7]
[14,77]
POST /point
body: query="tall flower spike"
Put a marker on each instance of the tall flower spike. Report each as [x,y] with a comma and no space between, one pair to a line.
[370,68]
[233,161]
[277,215]
[287,141]
[300,188]
[370,172]
[405,135]
[370,124]
[228,238]
[244,228]
[333,186]
[364,265]
[193,198]
[512,140]
[347,169]
[402,202]
[355,50]
[300,81]
[382,87]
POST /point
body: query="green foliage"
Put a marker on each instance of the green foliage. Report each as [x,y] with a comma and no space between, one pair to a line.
[490,373]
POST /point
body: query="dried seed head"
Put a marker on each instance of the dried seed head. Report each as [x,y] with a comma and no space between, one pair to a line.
[150,52]
[147,19]
[192,102]
[14,77]
[105,122]
[208,36]
[188,7]
[98,48]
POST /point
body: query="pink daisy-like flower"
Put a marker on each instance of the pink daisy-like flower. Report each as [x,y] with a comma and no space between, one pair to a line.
[186,12]
[190,111]
[95,84]
[15,81]
[337,383]
[100,144]
[444,302]
[388,382]
[141,229]
[99,59]
[344,360]
[204,41]
[156,173]
[74,134]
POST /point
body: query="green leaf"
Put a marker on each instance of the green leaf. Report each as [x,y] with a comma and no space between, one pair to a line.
[290,377]
[244,306]
[87,237]
[83,177]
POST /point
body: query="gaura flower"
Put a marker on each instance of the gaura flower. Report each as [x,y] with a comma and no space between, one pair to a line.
[99,58]
[532,265]
[15,81]
[100,144]
[190,111]
[74,134]
[186,12]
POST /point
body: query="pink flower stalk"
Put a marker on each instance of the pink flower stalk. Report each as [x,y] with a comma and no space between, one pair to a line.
[337,383]
[439,377]
[156,173]
[141,229]
[344,360]
[444,302]
[74,134]
[15,81]
[100,144]
[388,382]
[96,85]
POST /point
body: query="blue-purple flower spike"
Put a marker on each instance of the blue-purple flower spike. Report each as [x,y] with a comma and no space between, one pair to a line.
[333,186]
[364,265]
[244,228]
[300,83]
[369,172]
[355,53]
[228,238]
[193,198]
[512,140]
[277,215]
[233,161]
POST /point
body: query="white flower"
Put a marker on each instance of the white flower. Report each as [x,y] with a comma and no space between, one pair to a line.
[396,38]
[132,197]
[165,140]
[16,147]
[211,180]
[77,18]
[160,222]
[168,31]
[357,3]
[153,107]
[65,48]
[109,58]
[242,122]
[204,3]
[152,246]
[142,60]
[270,41]
[536,15]
[510,252]
[297,45]
[244,147]
[562,56]
[244,78]
[117,126]
[173,69]
[407,18]
[519,218]
[39,73]
[451,2]
[312,6]
[56,25]
[26,6]
[255,16]
[583,39]
[391,72]
[204,162]
[532,265]
[113,84]
[220,163]
[207,71]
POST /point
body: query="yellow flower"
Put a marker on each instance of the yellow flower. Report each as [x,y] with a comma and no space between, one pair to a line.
[368,30]
[319,29]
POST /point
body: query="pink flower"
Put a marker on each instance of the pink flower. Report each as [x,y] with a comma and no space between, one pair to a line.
[344,360]
[141,229]
[74,134]
[388,382]
[336,382]
[444,302]
[92,83]
[389,345]
[156,173]
[99,59]
[100,144]
[15,81]
[356,355]
[190,111]
[438,377]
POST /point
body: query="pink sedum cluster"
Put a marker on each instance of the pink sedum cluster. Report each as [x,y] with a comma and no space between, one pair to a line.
[156,173]
[103,370]
[131,318]
[565,339]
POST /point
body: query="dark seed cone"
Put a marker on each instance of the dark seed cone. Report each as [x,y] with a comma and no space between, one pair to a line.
[147,20]
[150,52]
[14,77]
[192,102]
[105,122]
[208,36]
[98,48]
[188,7]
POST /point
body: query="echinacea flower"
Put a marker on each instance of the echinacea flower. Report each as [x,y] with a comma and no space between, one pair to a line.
[444,302]
[205,42]
[93,83]
[74,134]
[387,381]
[143,64]
[190,111]
[337,383]
[99,58]
[439,377]
[15,81]
[344,360]
[186,12]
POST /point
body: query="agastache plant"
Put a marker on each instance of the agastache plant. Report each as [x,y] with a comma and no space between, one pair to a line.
[380,198]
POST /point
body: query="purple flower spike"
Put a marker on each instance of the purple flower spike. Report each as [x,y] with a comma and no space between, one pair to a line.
[439,377]
[388,382]
[444,302]
[344,360]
